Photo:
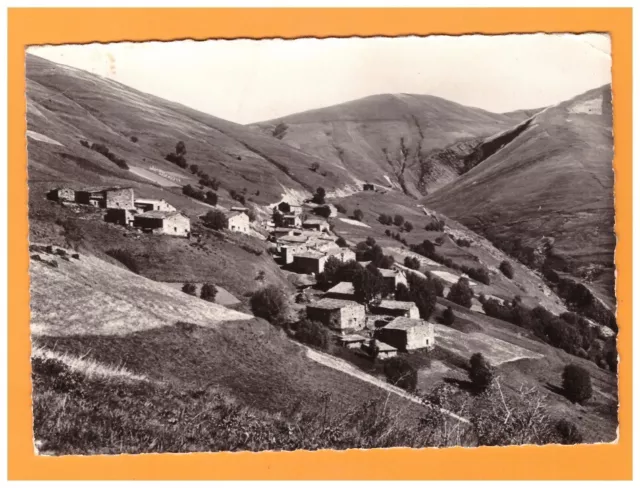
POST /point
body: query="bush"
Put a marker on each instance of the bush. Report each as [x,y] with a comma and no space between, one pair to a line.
[506,269]
[85,143]
[134,139]
[324,211]
[398,220]
[341,209]
[412,262]
[216,220]
[208,292]
[124,257]
[315,167]
[177,160]
[340,241]
[448,317]
[478,274]
[284,207]
[189,289]
[270,303]
[194,168]
[387,233]
[319,196]
[567,432]
[401,373]
[385,219]
[104,150]
[463,242]
[358,214]
[402,293]
[576,383]
[408,226]
[208,181]
[386,262]
[435,226]
[480,372]
[211,198]
[314,334]
[461,293]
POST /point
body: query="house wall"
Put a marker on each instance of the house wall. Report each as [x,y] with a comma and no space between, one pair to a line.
[352,317]
[148,224]
[119,216]
[122,198]
[65,195]
[420,337]
[394,337]
[309,265]
[239,223]
[177,225]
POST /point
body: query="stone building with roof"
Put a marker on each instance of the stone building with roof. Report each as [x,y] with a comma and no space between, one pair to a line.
[309,262]
[339,315]
[406,334]
[158,222]
[396,309]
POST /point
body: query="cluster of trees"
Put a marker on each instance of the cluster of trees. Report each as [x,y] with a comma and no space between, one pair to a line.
[568,331]
[396,236]
[462,242]
[313,334]
[335,271]
[436,225]
[461,293]
[397,220]
[209,197]
[412,262]
[579,298]
[208,291]
[104,150]
[369,250]
[216,220]
[341,241]
[271,304]
[178,157]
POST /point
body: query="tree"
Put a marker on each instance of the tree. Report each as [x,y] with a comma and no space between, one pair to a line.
[387,232]
[340,208]
[261,276]
[507,269]
[480,372]
[319,196]
[208,292]
[331,270]
[448,316]
[251,213]
[399,372]
[348,270]
[278,218]
[189,289]
[385,219]
[194,169]
[284,207]
[181,149]
[408,226]
[402,293]
[314,334]
[412,262]
[423,293]
[324,211]
[370,241]
[340,241]
[270,303]
[398,220]
[386,262]
[576,383]
[216,220]
[368,285]
[315,166]
[358,214]
[134,139]
[461,293]
[211,198]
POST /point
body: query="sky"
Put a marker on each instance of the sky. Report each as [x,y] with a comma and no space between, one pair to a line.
[247,81]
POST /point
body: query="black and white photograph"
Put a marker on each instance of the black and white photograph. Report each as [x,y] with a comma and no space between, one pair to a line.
[305,244]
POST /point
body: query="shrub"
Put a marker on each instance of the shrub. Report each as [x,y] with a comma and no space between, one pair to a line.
[463,242]
[75,256]
[314,334]
[85,143]
[284,207]
[341,209]
[134,139]
[216,220]
[448,317]
[412,262]
[280,130]
[370,241]
[340,241]
[567,432]
[402,293]
[398,220]
[358,214]
[315,167]
[387,233]
[385,219]
[480,372]
[211,198]
[319,196]
[408,226]
[194,168]
[506,269]
[208,181]
[461,293]
[576,383]
[324,211]
[124,257]
[478,274]
[208,292]
[401,373]
[439,241]
[436,225]
[270,303]
[189,289]
[177,160]
[386,262]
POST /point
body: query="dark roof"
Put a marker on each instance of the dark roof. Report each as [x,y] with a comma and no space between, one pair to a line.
[333,303]
[395,305]
[405,323]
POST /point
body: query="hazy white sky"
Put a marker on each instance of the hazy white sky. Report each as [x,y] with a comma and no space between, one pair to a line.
[249,81]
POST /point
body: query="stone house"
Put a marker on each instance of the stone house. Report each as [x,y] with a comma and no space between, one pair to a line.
[407,334]
[316,224]
[291,220]
[393,278]
[288,251]
[120,216]
[340,315]
[396,309]
[150,204]
[342,291]
[169,223]
[309,262]
[119,198]
[238,222]
[63,194]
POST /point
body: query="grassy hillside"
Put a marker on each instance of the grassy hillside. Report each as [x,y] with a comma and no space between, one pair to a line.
[355,134]
[66,105]
[552,177]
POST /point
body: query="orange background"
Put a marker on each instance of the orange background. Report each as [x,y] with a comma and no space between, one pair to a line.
[55,26]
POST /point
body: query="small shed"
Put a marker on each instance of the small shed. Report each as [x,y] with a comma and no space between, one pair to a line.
[407,334]
[309,262]
[396,309]
[169,223]
[63,194]
[352,341]
[340,315]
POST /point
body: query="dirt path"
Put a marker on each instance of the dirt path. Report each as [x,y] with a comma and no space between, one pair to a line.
[347,368]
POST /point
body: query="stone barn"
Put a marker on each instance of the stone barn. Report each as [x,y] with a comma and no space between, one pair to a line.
[169,223]
[309,262]
[407,334]
[119,198]
[340,315]
[150,204]
[396,309]
[238,222]
[62,195]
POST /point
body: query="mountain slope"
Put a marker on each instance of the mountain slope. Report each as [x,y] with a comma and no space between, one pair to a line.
[66,105]
[550,176]
[356,134]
